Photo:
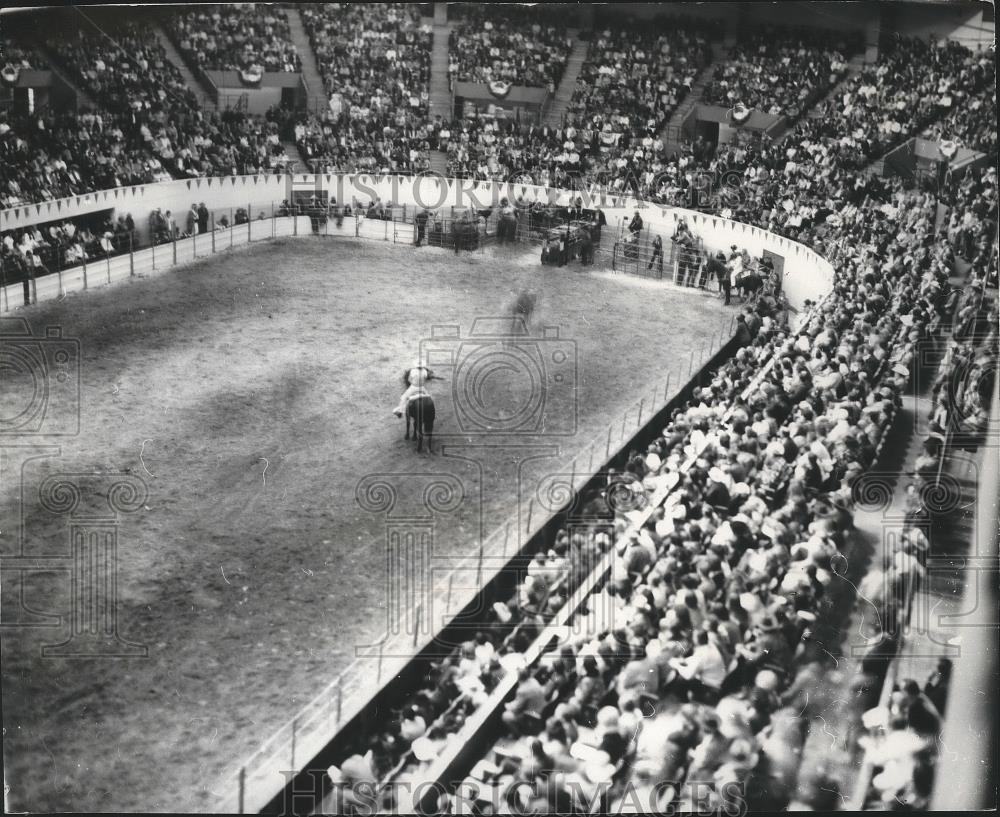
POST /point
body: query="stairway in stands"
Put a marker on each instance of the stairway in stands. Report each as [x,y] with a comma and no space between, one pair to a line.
[83,99]
[206,99]
[564,93]
[296,159]
[440,91]
[317,99]
[854,66]
[671,133]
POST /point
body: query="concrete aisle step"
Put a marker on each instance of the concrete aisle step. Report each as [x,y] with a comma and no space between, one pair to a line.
[316,100]
[439,162]
[291,150]
[206,98]
[83,99]
[567,85]
[440,91]
[854,66]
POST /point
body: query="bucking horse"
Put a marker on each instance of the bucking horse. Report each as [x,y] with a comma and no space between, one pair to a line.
[418,405]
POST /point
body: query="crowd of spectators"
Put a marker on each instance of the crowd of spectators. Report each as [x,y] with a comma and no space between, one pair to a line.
[49,156]
[634,78]
[971,121]
[703,680]
[526,45]
[913,83]
[237,37]
[16,55]
[396,142]
[375,61]
[31,252]
[719,592]
[376,57]
[715,595]
[125,69]
[778,71]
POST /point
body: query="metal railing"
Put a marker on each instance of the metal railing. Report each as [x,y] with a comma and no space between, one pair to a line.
[262,776]
[136,253]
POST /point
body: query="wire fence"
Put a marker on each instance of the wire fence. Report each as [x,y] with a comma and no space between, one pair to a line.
[165,243]
[81,258]
[264,774]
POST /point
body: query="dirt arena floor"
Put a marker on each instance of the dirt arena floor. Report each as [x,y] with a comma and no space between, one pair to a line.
[251,392]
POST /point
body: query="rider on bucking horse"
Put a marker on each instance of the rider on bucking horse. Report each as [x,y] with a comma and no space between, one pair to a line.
[414,378]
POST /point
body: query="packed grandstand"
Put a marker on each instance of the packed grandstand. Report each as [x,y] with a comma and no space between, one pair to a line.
[721,595]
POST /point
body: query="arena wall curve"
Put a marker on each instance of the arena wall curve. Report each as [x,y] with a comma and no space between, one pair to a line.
[807,275]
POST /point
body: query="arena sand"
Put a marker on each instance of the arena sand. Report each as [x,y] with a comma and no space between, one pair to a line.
[258,388]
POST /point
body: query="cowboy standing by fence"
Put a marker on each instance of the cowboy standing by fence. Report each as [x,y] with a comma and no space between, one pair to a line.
[657,255]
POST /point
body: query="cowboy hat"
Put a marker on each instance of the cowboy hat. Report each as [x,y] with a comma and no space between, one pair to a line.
[424,749]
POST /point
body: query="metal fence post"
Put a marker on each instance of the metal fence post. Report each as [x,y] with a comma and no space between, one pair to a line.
[232,227]
[294,729]
[273,226]
[243,782]
[59,274]
[3,287]
[131,262]
[340,697]
[211,226]
[107,261]
[194,251]
[250,223]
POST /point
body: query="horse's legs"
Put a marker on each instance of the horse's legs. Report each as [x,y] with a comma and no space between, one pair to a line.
[407,425]
[428,427]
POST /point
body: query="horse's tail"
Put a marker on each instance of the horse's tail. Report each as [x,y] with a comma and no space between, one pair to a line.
[422,411]
[406,378]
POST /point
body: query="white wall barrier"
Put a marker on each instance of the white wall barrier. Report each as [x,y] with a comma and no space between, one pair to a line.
[806,274]
[150,260]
